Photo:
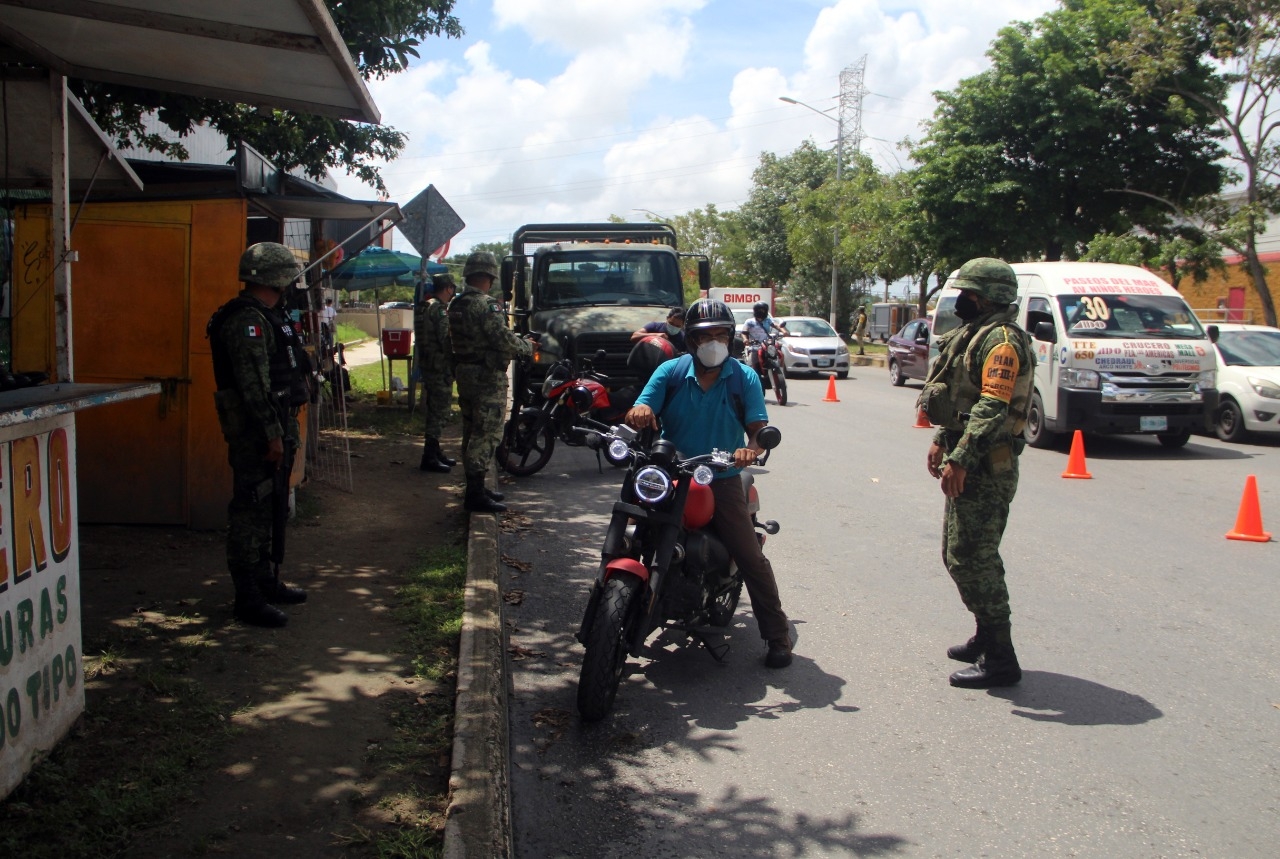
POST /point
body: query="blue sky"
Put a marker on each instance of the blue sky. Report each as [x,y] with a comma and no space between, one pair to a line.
[573,110]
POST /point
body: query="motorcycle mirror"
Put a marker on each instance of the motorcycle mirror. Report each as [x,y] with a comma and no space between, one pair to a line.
[769,437]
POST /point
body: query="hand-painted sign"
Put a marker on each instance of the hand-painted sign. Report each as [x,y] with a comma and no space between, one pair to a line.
[41,682]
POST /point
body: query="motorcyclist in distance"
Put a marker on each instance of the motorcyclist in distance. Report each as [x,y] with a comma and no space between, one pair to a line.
[762,326]
[700,413]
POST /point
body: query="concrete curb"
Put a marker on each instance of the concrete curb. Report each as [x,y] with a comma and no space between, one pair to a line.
[478,820]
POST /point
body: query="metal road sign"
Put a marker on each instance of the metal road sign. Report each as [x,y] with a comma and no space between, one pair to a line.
[429,222]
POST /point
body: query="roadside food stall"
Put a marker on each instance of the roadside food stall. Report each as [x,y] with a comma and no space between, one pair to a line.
[279,53]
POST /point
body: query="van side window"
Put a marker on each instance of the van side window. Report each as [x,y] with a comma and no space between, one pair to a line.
[1038,311]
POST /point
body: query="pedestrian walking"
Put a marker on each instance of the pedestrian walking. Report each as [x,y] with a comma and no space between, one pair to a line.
[860,328]
[483,346]
[977,394]
[262,375]
[435,366]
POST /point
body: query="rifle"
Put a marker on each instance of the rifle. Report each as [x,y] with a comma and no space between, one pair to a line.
[280,491]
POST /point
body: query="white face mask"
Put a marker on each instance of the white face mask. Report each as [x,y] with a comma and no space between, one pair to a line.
[712,353]
[673,330]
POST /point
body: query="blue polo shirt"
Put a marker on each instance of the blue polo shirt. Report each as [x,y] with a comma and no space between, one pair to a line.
[699,421]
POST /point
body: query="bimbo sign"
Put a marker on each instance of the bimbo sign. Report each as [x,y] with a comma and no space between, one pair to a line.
[41,683]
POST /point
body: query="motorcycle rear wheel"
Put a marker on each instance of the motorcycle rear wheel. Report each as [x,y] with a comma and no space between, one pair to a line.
[606,644]
[525,449]
[779,380]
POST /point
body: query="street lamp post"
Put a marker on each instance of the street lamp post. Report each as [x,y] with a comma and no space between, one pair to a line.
[835,229]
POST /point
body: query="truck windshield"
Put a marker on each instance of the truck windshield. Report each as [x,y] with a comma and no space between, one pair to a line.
[1129,317]
[623,277]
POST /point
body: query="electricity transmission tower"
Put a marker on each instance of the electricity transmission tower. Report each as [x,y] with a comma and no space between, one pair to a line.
[852,92]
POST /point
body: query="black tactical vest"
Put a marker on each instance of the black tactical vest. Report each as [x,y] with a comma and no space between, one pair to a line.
[289,368]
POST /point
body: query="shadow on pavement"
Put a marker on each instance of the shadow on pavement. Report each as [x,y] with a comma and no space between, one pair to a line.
[1045,696]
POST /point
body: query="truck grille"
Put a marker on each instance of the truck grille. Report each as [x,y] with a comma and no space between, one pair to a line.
[616,346]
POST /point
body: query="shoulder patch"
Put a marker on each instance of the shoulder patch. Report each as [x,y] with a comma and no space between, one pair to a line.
[999,372]
[253,331]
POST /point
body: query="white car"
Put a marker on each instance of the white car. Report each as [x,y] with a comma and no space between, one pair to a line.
[813,346]
[1248,380]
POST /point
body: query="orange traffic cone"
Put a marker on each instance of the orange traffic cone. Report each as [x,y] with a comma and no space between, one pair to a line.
[922,420]
[1075,462]
[831,390]
[1249,519]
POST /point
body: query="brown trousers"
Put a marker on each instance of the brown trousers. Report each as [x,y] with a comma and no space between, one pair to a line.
[732,524]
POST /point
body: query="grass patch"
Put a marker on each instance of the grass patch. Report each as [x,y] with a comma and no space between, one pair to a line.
[140,748]
[348,333]
[366,416]
[430,607]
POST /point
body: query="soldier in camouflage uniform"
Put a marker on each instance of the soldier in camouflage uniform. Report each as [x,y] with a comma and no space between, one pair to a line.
[435,363]
[977,393]
[483,346]
[261,373]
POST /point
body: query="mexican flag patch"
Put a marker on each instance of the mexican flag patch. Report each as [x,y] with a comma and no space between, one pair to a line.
[253,331]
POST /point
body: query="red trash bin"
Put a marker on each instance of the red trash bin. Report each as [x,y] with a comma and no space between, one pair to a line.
[397,342]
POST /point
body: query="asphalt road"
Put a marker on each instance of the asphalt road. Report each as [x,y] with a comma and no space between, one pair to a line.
[1146,724]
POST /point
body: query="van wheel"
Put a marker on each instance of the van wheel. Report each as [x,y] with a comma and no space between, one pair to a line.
[1230,423]
[1174,439]
[1035,432]
[895,375]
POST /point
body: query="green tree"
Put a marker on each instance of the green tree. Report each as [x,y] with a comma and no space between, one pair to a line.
[1177,253]
[1240,40]
[1048,147]
[382,36]
[778,181]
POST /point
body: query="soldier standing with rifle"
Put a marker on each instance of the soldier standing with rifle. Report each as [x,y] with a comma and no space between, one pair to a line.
[435,363]
[483,346]
[262,374]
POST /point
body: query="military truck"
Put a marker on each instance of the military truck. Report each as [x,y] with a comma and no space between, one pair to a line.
[586,287]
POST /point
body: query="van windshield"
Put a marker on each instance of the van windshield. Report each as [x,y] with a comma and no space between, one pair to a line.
[1129,317]
[609,277]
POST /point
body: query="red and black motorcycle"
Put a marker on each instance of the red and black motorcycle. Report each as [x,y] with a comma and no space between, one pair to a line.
[765,357]
[569,401]
[660,566]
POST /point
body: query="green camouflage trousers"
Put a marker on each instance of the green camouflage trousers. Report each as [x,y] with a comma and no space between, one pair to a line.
[437,394]
[249,513]
[972,527]
[482,399]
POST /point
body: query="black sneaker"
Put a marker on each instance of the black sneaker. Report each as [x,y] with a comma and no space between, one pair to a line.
[779,655]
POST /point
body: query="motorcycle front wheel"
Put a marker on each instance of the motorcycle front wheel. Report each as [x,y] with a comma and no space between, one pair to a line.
[779,381]
[606,644]
[525,447]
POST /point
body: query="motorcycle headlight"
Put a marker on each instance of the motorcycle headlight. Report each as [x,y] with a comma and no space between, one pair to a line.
[618,450]
[556,376]
[703,475]
[652,485]
[1264,388]
[1074,378]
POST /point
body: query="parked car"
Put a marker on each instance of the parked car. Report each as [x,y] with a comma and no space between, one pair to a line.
[813,346]
[396,305]
[911,352]
[1248,380]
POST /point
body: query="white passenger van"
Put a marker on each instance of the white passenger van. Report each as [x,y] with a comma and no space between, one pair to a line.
[1117,351]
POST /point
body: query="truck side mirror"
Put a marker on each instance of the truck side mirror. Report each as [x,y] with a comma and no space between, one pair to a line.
[507,278]
[1046,332]
[704,274]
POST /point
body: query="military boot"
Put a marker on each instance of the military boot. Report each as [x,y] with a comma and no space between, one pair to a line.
[444,459]
[251,605]
[997,667]
[431,458]
[277,592]
[493,494]
[476,501]
[971,651]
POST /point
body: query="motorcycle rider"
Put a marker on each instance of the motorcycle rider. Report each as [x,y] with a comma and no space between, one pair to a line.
[701,416]
[672,329]
[762,326]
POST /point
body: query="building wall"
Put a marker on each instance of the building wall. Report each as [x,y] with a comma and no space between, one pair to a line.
[1204,297]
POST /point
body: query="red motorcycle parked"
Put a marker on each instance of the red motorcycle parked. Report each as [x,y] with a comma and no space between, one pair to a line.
[570,401]
[765,357]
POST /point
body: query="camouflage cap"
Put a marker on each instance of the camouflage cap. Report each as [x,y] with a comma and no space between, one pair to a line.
[481,262]
[443,281]
[991,278]
[269,264]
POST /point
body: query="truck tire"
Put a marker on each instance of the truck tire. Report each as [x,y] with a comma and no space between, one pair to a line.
[1174,439]
[1035,432]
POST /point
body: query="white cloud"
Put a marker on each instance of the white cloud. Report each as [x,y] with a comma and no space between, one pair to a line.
[609,112]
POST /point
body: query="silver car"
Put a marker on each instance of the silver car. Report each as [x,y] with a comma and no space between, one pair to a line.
[813,346]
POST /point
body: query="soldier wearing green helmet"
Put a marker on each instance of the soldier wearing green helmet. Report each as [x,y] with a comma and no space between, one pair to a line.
[262,375]
[483,346]
[977,394]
